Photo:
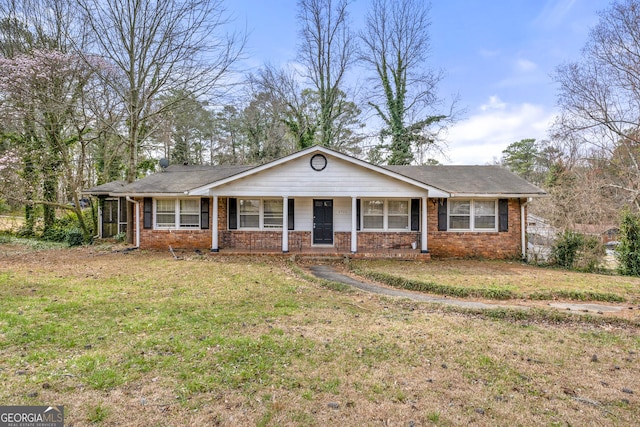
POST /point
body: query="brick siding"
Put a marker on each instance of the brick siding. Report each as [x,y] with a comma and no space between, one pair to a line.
[444,244]
[491,245]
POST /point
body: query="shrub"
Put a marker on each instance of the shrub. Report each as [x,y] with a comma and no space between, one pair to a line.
[576,251]
[57,233]
[74,237]
[565,250]
[66,229]
[628,251]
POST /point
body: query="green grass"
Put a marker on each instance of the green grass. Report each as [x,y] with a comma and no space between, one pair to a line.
[142,339]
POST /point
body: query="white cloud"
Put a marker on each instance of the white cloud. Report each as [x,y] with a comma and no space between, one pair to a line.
[525,65]
[485,134]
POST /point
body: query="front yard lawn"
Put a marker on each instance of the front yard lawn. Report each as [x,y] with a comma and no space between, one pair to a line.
[134,339]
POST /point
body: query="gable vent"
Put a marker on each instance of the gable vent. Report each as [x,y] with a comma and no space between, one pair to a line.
[318,162]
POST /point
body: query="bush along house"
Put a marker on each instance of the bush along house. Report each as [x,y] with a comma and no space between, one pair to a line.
[319,201]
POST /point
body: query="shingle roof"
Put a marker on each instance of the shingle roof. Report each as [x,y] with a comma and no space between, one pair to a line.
[177,179]
[106,189]
[456,180]
[478,180]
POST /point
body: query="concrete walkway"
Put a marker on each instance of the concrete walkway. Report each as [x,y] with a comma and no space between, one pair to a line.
[329,273]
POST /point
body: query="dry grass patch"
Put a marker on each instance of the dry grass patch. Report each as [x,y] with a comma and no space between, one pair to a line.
[142,339]
[514,279]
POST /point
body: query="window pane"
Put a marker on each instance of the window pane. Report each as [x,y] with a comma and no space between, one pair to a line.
[484,208]
[399,222]
[249,206]
[373,207]
[373,222]
[189,221]
[398,207]
[459,222]
[273,214]
[166,220]
[190,206]
[485,222]
[252,221]
[460,207]
[165,206]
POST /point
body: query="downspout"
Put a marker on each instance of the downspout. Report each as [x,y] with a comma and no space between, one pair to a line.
[523,228]
[129,199]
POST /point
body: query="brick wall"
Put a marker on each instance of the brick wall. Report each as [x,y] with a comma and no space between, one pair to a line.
[177,239]
[387,241]
[440,243]
[492,245]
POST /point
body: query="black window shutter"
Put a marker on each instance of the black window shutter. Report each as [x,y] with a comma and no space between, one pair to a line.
[358,214]
[503,215]
[233,213]
[148,212]
[204,213]
[442,215]
[291,214]
[415,214]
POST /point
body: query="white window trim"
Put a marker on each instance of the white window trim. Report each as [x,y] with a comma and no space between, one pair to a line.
[177,225]
[261,226]
[385,216]
[472,219]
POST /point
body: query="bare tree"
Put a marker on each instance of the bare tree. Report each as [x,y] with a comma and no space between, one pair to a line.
[395,48]
[157,45]
[327,49]
[600,96]
[289,102]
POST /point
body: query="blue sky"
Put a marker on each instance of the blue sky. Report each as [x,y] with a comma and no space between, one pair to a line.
[498,55]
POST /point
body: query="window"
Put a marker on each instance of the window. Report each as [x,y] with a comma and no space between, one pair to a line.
[385,215]
[472,215]
[190,213]
[460,214]
[373,214]
[249,211]
[258,213]
[165,213]
[398,216]
[273,213]
[484,214]
[177,213]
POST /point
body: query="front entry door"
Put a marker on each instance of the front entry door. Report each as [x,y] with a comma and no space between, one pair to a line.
[323,222]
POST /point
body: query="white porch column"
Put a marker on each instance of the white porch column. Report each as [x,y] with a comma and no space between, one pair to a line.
[100,230]
[354,224]
[285,224]
[423,247]
[214,226]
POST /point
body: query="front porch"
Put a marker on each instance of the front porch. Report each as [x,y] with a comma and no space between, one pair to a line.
[399,245]
[328,252]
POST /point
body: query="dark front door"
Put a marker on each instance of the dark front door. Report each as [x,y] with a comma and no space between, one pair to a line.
[323,222]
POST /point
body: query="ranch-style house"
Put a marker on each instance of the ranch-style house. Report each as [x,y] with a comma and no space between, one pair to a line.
[321,201]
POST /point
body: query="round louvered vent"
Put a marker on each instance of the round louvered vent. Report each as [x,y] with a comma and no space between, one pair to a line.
[318,162]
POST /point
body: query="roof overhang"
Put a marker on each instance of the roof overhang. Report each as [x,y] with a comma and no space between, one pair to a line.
[497,195]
